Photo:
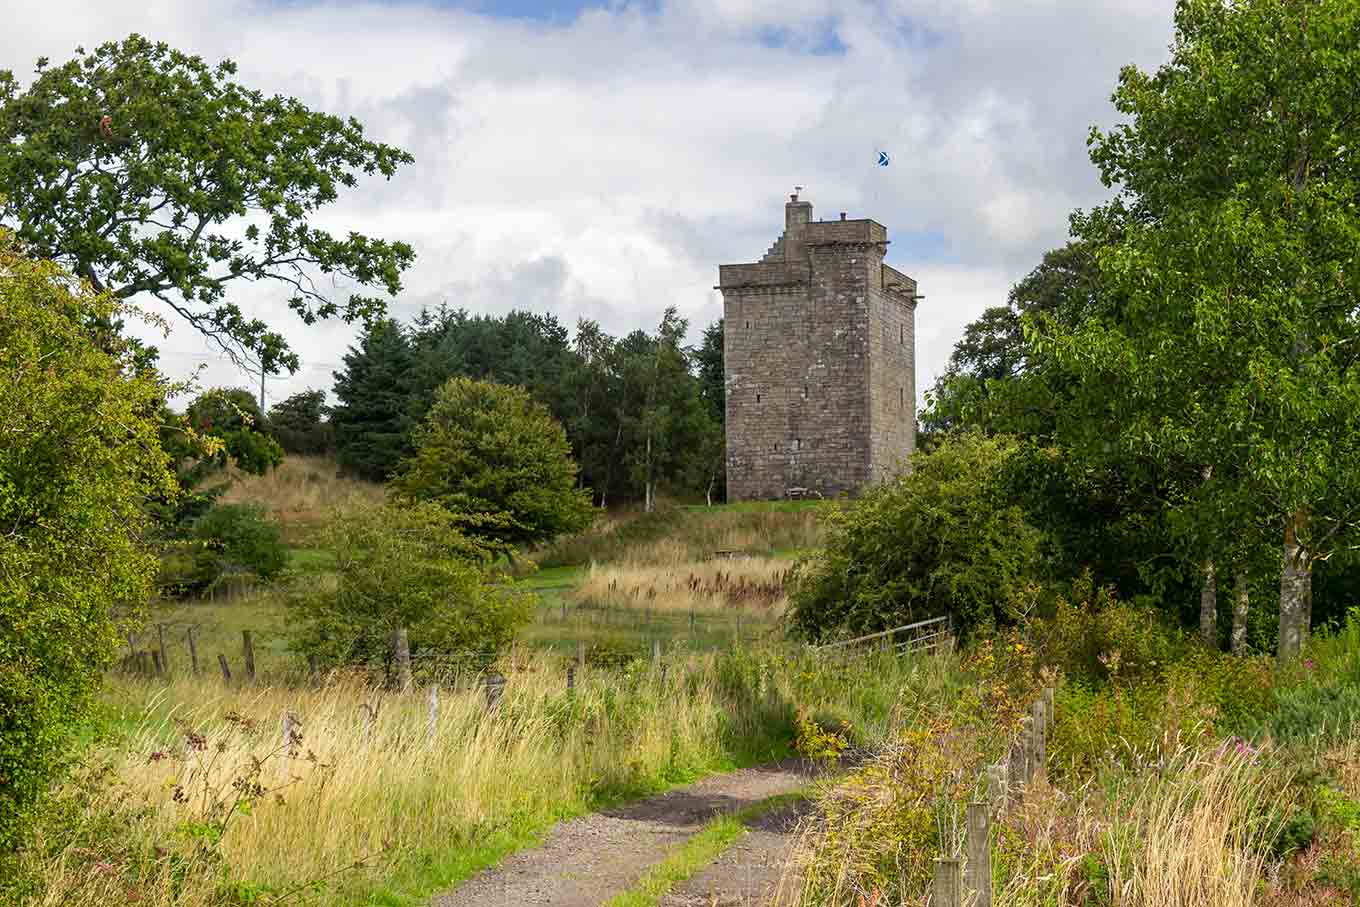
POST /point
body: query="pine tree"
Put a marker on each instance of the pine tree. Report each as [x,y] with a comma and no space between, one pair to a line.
[373,420]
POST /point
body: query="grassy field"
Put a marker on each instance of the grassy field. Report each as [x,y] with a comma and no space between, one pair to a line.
[193,790]
[193,786]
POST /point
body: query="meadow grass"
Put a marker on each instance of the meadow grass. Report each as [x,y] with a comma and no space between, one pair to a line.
[301,493]
[754,584]
[177,802]
[672,535]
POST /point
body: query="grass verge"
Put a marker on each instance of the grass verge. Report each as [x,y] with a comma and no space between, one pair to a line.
[705,846]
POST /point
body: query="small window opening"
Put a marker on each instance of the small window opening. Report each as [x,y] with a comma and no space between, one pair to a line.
[901,334]
[748,325]
[797,443]
[757,398]
[805,391]
[901,398]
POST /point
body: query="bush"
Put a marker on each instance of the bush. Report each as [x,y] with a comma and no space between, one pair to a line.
[1093,635]
[298,424]
[1310,714]
[80,454]
[498,461]
[233,416]
[938,541]
[229,538]
[407,566]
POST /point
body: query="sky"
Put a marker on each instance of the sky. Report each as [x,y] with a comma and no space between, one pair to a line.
[601,159]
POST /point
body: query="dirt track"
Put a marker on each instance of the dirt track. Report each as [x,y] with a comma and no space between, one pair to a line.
[586,861]
[749,872]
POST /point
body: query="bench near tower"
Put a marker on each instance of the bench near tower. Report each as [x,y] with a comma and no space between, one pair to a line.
[819,352]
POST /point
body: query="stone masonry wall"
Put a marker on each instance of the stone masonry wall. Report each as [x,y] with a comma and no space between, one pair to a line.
[819,360]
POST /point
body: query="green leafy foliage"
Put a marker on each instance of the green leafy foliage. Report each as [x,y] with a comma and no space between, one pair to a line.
[939,541]
[135,164]
[298,424]
[242,536]
[233,415]
[81,451]
[409,566]
[497,460]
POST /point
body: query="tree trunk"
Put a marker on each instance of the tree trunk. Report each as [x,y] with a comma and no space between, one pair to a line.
[1208,593]
[1294,583]
[1208,606]
[648,483]
[1241,603]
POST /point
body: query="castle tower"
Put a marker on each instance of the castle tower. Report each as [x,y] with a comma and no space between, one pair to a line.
[819,351]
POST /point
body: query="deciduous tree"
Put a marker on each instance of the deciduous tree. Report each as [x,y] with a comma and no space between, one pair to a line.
[80,454]
[499,462]
[154,174]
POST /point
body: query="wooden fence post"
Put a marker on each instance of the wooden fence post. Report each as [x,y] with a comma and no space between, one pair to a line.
[996,787]
[564,610]
[1040,736]
[193,651]
[433,721]
[571,680]
[947,888]
[1050,702]
[226,671]
[581,654]
[165,656]
[656,652]
[248,649]
[401,651]
[156,659]
[495,686]
[979,869]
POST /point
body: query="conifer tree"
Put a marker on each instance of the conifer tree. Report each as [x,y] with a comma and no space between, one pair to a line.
[373,422]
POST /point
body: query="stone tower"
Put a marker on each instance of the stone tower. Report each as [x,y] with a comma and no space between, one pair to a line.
[820,356]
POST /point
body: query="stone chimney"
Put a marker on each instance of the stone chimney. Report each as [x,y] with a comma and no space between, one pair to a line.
[797,215]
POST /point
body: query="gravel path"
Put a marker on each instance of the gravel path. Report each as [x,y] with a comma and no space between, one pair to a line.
[748,874]
[586,861]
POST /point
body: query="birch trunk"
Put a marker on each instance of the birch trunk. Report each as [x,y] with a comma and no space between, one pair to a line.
[1241,604]
[1208,606]
[1294,582]
[1208,594]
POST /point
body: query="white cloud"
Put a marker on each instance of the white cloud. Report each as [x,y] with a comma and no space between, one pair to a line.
[606,168]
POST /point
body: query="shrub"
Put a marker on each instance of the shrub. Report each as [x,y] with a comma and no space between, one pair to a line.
[1310,713]
[80,454]
[1092,634]
[407,566]
[233,416]
[227,538]
[498,461]
[938,541]
[243,535]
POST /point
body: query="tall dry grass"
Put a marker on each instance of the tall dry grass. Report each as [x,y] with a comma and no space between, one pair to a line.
[301,490]
[671,536]
[751,583]
[1193,830]
[390,791]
